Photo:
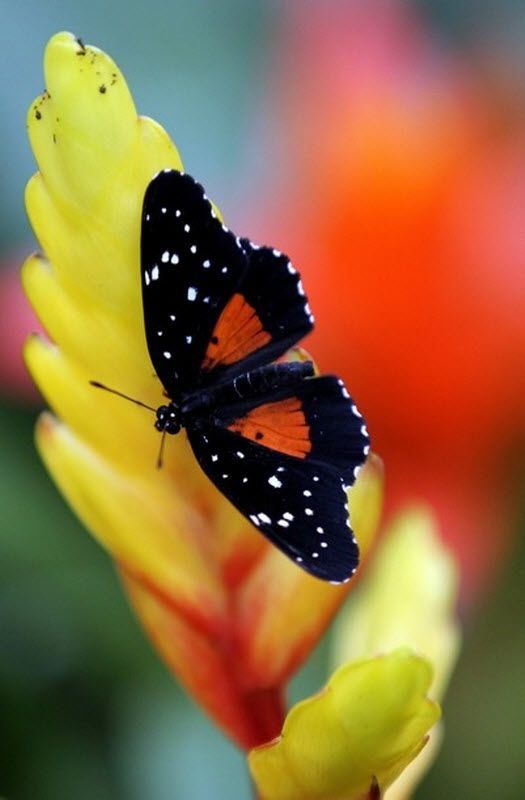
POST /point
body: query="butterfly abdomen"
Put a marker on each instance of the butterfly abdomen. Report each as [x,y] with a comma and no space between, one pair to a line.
[255,383]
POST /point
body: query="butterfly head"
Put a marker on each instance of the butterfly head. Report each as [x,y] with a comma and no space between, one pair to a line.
[168,419]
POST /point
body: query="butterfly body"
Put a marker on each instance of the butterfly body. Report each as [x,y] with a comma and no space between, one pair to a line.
[219,312]
[197,409]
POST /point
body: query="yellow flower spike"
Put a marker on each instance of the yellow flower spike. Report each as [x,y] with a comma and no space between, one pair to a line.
[96,158]
[118,510]
[230,615]
[369,722]
[406,599]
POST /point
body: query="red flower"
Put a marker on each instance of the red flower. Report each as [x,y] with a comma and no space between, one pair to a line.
[405,216]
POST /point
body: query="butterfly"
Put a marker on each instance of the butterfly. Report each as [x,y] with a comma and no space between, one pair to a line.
[281,444]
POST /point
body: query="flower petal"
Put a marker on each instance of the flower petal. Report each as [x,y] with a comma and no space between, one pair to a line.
[406,599]
[148,536]
[368,723]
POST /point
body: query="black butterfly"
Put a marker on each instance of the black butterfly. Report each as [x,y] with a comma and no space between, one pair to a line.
[281,445]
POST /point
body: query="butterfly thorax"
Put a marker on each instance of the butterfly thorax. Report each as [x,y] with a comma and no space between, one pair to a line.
[248,386]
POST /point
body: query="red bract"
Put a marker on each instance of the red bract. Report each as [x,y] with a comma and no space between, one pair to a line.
[16,318]
[405,216]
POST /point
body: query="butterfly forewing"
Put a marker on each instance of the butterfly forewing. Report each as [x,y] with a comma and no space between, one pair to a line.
[191,267]
[214,305]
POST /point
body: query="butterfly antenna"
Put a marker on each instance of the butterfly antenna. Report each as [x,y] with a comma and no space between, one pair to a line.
[160,457]
[98,385]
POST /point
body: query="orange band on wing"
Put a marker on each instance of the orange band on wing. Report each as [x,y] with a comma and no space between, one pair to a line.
[281,426]
[237,333]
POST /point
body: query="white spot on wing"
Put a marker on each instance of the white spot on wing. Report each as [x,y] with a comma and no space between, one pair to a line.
[174,258]
[165,257]
[308,512]
[192,293]
[167,355]
[154,273]
[264,518]
[275,482]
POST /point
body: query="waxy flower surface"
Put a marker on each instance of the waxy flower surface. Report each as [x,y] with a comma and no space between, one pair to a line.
[229,614]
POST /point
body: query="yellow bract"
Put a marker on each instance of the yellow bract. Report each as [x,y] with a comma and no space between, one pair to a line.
[407,599]
[201,579]
[368,723]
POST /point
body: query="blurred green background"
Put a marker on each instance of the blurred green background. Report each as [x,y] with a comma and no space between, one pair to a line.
[86,709]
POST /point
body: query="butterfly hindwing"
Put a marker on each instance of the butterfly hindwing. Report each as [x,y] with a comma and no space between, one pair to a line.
[214,305]
[317,421]
[290,482]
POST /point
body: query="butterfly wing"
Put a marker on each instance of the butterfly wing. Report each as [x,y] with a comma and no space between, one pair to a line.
[214,304]
[285,463]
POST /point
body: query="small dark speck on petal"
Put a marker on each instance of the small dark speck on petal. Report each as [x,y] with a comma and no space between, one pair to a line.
[54,138]
[38,115]
[82,51]
[102,88]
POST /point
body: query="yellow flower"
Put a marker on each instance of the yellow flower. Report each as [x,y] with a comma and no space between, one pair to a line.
[230,615]
[407,598]
[361,735]
[361,731]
